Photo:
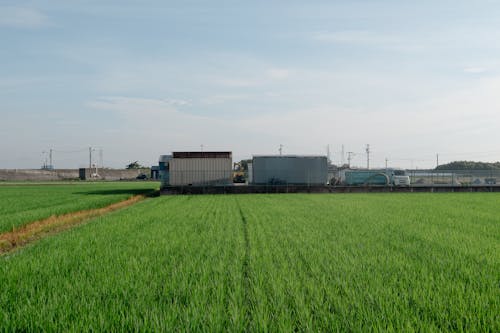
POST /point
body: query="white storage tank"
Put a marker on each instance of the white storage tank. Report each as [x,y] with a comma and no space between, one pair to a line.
[200,168]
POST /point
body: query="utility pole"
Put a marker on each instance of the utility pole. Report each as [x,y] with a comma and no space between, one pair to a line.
[90,160]
[328,154]
[350,155]
[201,146]
[386,160]
[44,154]
[101,160]
[50,158]
[281,149]
[368,156]
[343,156]
[437,160]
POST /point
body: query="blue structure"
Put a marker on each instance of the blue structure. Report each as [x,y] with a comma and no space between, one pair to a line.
[164,169]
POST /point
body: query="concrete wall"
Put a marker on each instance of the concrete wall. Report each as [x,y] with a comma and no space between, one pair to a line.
[117,174]
[66,174]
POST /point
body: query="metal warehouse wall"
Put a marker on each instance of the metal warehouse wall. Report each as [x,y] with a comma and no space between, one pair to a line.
[306,170]
[201,171]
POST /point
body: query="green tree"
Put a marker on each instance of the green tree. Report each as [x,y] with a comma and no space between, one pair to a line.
[469,165]
[135,165]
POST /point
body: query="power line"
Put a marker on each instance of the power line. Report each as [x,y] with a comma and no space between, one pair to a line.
[70,151]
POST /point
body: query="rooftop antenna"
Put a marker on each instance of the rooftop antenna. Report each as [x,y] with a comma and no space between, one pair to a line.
[281,149]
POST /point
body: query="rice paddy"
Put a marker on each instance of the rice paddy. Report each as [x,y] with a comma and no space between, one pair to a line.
[289,262]
[21,203]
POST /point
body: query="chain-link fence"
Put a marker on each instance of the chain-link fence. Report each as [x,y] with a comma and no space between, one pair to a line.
[454,177]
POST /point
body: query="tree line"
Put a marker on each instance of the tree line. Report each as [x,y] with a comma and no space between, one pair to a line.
[469,165]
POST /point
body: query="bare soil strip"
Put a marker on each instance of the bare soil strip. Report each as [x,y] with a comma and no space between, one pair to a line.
[16,238]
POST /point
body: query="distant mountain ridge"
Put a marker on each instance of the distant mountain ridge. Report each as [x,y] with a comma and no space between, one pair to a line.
[469,165]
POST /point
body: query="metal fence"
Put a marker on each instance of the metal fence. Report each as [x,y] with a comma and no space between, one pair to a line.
[308,177]
[454,177]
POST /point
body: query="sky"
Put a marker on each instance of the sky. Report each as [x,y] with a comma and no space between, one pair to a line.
[138,79]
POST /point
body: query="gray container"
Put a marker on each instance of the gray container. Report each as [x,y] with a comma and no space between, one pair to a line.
[290,169]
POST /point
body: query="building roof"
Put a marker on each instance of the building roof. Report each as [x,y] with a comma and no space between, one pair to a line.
[290,156]
[202,154]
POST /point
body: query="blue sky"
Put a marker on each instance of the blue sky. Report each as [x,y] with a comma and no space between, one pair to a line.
[143,78]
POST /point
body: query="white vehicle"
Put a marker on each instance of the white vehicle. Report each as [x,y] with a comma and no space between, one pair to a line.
[399,178]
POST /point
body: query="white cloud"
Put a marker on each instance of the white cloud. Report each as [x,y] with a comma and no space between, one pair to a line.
[449,123]
[236,82]
[474,70]
[161,118]
[462,121]
[160,126]
[22,17]
[137,128]
[224,98]
[352,36]
[137,105]
[278,73]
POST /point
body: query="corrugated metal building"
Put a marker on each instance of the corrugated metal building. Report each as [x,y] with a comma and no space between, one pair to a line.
[199,168]
[289,169]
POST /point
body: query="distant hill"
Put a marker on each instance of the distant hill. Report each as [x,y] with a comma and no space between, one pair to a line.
[469,165]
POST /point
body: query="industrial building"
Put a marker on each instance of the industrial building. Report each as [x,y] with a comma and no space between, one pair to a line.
[196,168]
[288,170]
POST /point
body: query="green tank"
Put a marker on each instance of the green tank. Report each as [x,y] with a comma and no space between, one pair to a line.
[366,177]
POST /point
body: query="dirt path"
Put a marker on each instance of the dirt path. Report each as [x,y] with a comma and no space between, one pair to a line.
[28,233]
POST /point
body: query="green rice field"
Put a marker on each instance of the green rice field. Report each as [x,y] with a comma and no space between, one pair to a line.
[21,203]
[264,263]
